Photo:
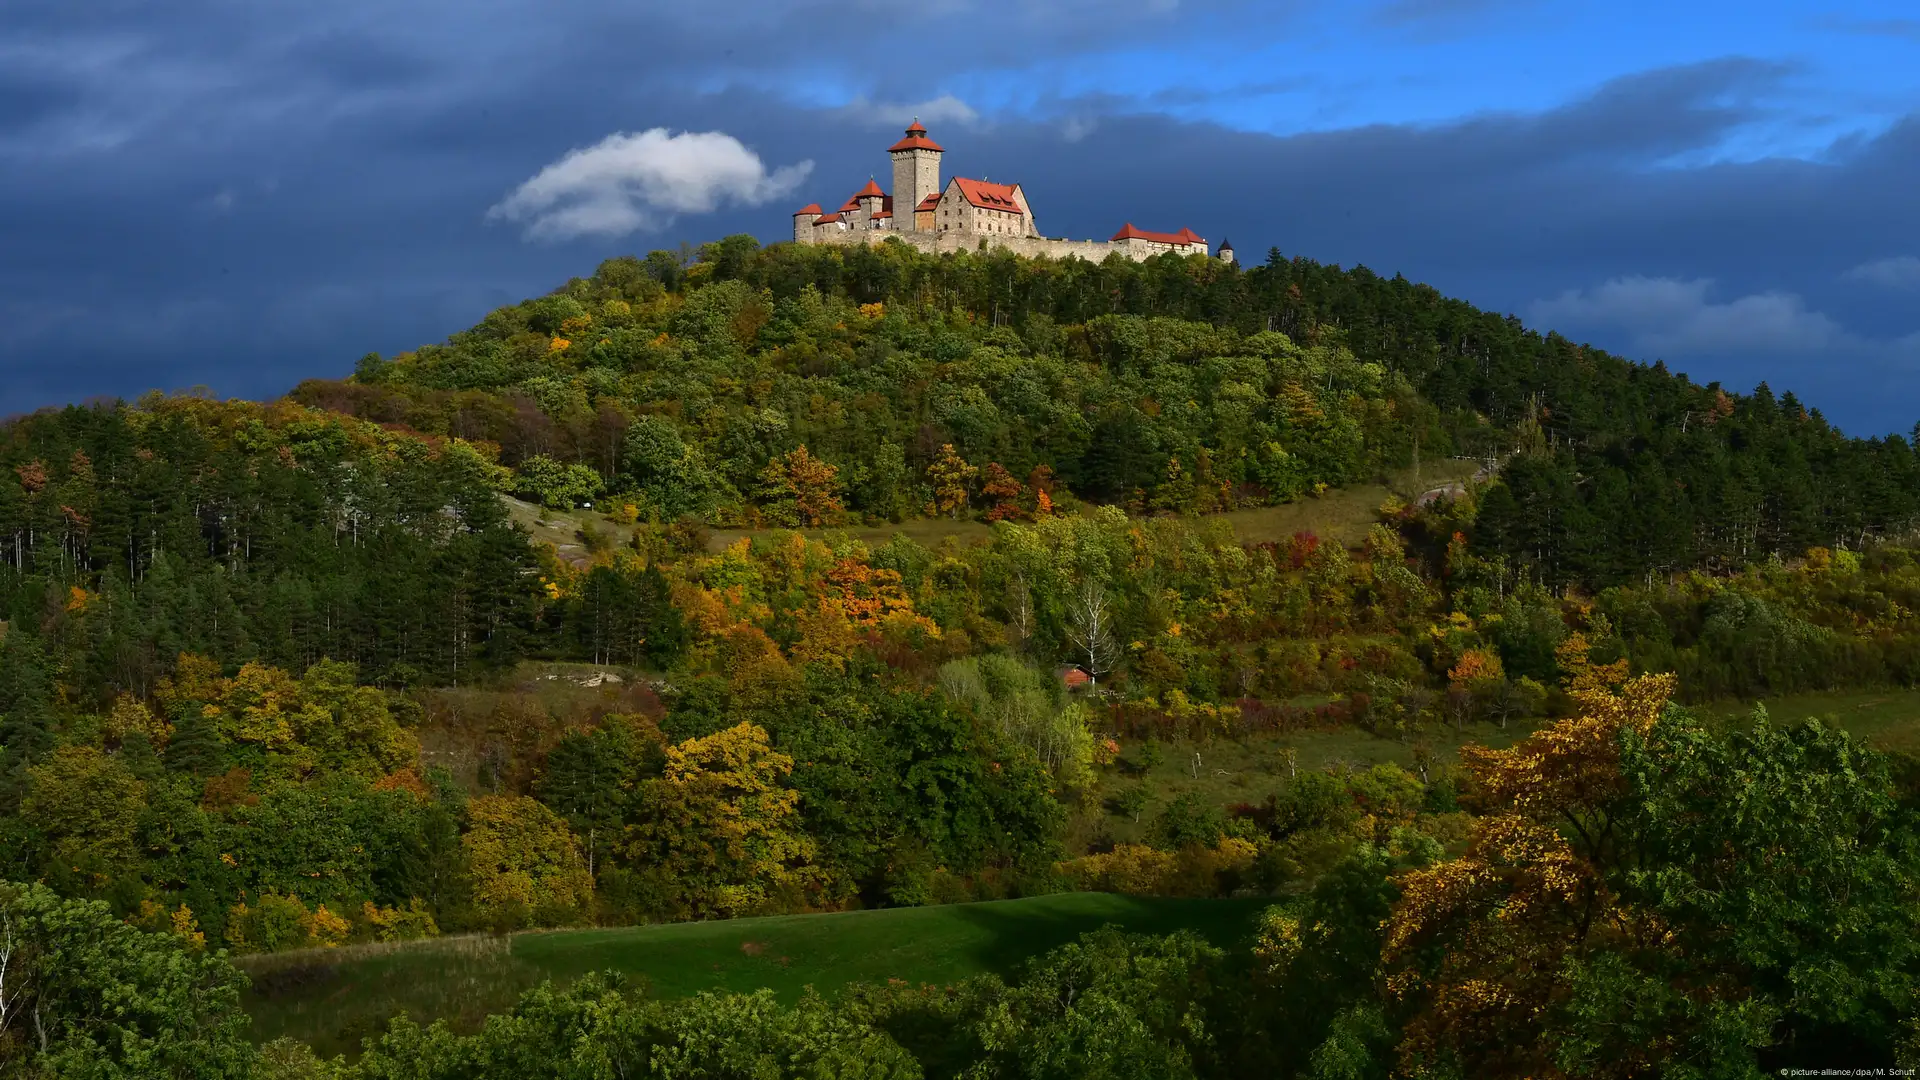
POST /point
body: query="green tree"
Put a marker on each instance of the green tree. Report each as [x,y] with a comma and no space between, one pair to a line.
[83,994]
[555,485]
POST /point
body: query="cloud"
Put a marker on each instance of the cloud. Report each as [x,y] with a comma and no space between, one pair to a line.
[1668,316]
[625,183]
[945,109]
[1898,272]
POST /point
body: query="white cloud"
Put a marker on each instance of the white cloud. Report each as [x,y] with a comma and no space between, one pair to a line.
[1899,272]
[945,109]
[1671,316]
[628,182]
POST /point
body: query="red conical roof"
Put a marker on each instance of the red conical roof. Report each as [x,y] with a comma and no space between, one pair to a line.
[810,208]
[872,189]
[916,140]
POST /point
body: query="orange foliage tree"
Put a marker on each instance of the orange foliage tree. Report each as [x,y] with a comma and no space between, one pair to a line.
[1006,493]
[801,490]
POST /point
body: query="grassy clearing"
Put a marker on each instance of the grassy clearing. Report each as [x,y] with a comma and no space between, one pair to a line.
[1230,772]
[335,998]
[1888,719]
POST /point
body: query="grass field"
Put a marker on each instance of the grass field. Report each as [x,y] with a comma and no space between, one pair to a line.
[335,998]
[1889,719]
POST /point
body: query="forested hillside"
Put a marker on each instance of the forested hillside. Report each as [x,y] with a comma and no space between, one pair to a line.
[1167,384]
[304,675]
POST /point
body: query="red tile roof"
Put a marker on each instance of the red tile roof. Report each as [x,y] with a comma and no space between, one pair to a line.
[881,214]
[1181,238]
[825,218]
[871,189]
[916,140]
[810,208]
[988,196]
[929,202]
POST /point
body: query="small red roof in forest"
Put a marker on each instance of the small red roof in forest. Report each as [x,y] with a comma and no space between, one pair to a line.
[988,196]
[916,140]
[1182,238]
[810,208]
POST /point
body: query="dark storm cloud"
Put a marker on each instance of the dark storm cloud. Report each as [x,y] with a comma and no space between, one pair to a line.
[227,200]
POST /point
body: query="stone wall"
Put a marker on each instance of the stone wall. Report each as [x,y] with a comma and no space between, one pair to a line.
[962,240]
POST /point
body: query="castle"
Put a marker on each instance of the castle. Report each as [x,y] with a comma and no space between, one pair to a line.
[966,215]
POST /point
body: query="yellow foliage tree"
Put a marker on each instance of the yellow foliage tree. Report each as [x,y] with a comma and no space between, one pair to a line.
[131,718]
[723,826]
[1579,674]
[526,863]
[952,481]
[1479,946]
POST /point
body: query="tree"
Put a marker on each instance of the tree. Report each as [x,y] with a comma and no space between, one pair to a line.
[1642,890]
[1006,494]
[88,805]
[1108,1007]
[555,485]
[85,994]
[721,825]
[589,777]
[526,864]
[1090,631]
[671,474]
[952,480]
[801,490]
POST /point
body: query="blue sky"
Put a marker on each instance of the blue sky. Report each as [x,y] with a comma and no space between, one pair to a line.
[244,194]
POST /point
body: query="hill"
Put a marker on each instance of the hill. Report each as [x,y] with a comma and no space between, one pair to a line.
[1172,384]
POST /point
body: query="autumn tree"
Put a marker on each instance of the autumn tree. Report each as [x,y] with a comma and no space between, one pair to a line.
[721,826]
[1640,890]
[1006,493]
[526,863]
[952,480]
[800,490]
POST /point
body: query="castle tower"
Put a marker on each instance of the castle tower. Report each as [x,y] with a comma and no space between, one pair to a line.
[1226,251]
[916,173]
[803,220]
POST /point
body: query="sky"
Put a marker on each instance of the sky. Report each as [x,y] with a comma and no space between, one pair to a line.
[241,194]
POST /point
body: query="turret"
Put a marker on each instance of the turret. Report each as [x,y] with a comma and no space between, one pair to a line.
[1226,251]
[916,173]
[803,221]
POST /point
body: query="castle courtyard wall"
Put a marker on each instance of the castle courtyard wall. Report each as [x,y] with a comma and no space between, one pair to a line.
[967,240]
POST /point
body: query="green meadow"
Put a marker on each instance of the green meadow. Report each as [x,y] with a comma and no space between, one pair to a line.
[335,998]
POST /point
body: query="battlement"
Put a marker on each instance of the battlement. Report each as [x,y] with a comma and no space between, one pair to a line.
[965,215]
